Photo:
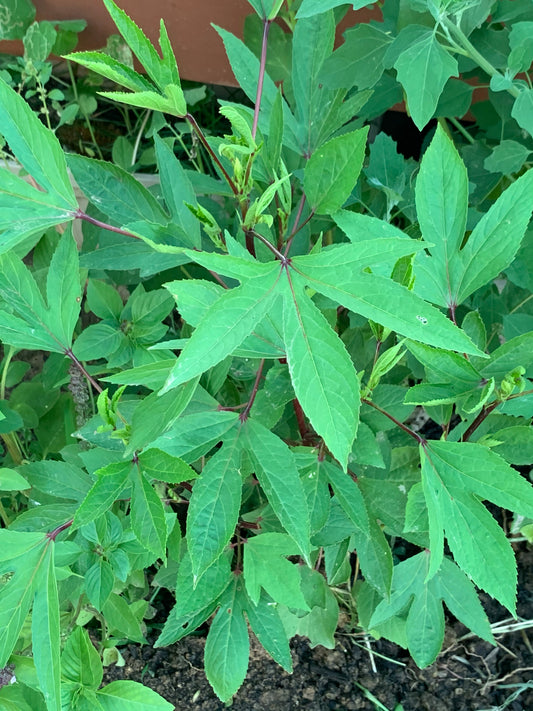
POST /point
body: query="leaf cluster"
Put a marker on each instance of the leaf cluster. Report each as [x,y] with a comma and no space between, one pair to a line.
[232,359]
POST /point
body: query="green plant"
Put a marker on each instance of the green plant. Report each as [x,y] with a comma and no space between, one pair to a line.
[245,471]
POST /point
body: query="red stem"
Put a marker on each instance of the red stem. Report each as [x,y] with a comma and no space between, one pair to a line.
[261,79]
[300,418]
[53,534]
[190,118]
[82,370]
[245,413]
[83,216]
[409,431]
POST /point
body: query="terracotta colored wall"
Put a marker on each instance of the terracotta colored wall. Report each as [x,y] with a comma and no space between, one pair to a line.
[198,47]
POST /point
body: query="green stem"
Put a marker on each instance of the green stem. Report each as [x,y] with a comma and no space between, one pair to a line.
[480,60]
[9,355]
[4,516]
[462,130]
[139,136]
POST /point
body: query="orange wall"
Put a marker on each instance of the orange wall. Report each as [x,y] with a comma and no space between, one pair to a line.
[198,47]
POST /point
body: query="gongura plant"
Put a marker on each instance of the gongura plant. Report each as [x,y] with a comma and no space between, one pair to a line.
[237,355]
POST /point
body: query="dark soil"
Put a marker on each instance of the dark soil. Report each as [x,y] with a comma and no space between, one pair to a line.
[470,674]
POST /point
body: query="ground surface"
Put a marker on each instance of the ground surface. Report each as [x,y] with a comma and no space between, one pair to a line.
[470,675]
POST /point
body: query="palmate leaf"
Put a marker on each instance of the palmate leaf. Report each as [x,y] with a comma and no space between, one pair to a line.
[322,373]
[162,72]
[456,477]
[423,598]
[386,302]
[233,317]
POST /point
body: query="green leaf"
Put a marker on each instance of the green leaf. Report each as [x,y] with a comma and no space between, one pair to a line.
[37,148]
[226,325]
[495,239]
[214,506]
[98,340]
[349,497]
[308,8]
[280,480]
[164,467]
[130,696]
[157,413]
[423,69]
[372,548]
[140,45]
[194,602]
[121,619]
[10,480]
[111,69]
[227,645]
[265,566]
[455,476]
[45,628]
[16,595]
[245,66]
[147,515]
[508,157]
[522,110]
[104,300]
[517,351]
[266,624]
[177,191]
[332,171]
[18,15]
[115,192]
[312,43]
[65,481]
[359,60]
[193,435]
[425,619]
[320,623]
[63,290]
[80,662]
[26,210]
[441,206]
[151,100]
[322,373]
[111,481]
[19,289]
[391,305]
[446,367]
[515,445]
[99,581]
